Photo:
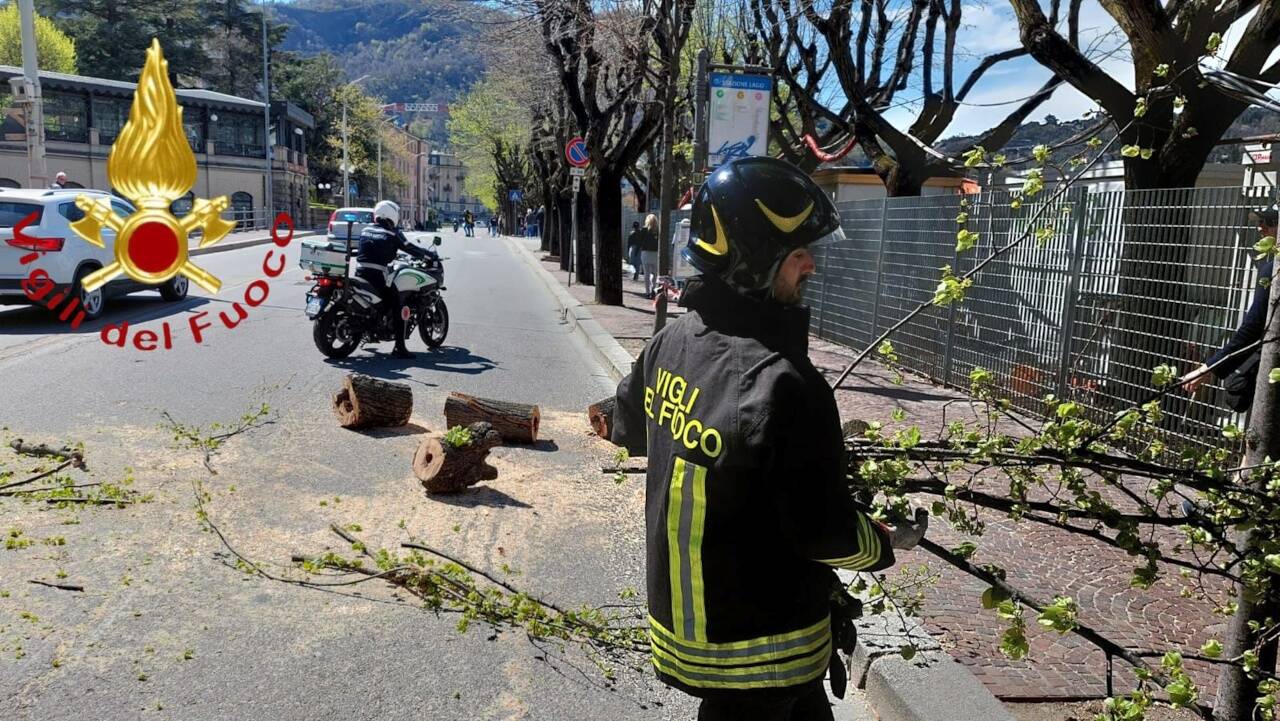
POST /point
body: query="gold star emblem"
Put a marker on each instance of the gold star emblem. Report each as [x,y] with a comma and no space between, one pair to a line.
[152,165]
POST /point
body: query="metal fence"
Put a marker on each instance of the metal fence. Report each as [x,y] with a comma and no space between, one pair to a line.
[1117,283]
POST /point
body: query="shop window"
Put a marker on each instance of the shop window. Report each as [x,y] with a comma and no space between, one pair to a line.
[242,210]
[109,116]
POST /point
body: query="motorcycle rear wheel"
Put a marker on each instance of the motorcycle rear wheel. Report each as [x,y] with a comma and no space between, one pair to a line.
[433,323]
[325,335]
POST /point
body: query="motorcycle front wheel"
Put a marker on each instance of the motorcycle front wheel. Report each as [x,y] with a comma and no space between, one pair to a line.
[433,322]
[332,335]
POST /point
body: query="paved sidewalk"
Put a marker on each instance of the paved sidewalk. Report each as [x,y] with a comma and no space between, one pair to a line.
[1041,560]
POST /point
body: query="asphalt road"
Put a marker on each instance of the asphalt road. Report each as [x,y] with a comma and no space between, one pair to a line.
[158,588]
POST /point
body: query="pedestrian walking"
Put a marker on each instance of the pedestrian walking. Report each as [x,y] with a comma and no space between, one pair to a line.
[1236,367]
[59,181]
[528,222]
[747,505]
[633,249]
[649,255]
[468,224]
[537,221]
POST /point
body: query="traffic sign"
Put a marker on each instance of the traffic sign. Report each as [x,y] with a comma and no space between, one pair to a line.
[515,196]
[576,153]
[578,172]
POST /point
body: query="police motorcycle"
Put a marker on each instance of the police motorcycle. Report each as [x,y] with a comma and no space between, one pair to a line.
[346,309]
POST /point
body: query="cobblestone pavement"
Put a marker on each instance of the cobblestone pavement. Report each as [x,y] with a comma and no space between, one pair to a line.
[1043,561]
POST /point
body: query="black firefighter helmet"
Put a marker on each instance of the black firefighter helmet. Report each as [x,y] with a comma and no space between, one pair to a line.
[750,214]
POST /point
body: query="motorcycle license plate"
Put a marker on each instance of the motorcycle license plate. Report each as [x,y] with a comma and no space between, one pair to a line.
[314,306]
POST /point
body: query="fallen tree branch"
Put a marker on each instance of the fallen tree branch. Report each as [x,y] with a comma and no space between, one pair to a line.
[66,452]
[59,586]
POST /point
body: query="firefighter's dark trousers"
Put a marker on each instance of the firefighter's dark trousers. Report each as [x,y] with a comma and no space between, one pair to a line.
[809,705]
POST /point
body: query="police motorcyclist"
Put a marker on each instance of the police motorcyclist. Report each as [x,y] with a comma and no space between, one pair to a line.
[378,246]
[747,507]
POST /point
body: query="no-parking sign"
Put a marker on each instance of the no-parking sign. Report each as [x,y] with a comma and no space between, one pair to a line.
[575,151]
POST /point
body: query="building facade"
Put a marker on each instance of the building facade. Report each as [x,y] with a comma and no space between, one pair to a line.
[408,156]
[445,179]
[84,115]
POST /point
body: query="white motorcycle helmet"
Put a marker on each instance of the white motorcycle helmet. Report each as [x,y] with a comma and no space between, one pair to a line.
[388,210]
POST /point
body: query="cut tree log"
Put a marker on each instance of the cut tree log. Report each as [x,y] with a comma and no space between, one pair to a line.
[366,402]
[600,414]
[515,422]
[445,468]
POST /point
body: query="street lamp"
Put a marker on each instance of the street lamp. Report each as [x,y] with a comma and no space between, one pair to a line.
[346,167]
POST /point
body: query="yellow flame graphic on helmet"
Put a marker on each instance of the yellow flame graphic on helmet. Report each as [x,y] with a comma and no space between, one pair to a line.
[783,223]
[721,244]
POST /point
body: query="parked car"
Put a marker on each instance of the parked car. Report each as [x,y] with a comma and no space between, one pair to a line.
[67,257]
[358,217]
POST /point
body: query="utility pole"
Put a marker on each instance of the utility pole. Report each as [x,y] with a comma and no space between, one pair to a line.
[346,178]
[27,89]
[665,196]
[379,163]
[266,117]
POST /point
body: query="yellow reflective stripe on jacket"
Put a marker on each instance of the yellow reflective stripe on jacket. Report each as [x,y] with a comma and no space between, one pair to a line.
[868,545]
[750,651]
[686,521]
[768,675]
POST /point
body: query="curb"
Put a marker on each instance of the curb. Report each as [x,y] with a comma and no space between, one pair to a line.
[615,359]
[249,243]
[931,686]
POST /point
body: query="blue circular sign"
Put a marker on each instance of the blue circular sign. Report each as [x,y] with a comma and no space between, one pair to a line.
[576,153]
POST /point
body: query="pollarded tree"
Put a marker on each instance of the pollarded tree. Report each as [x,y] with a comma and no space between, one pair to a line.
[872,53]
[1172,119]
[604,58]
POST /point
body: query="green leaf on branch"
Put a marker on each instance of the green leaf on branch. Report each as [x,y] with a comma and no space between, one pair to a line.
[1162,70]
[965,240]
[1179,103]
[1212,648]
[999,159]
[993,597]
[1146,153]
[886,351]
[1043,236]
[1140,108]
[1041,153]
[950,289]
[1013,644]
[965,550]
[1232,432]
[1060,615]
[1214,43]
[1094,143]
[1033,183]
[973,158]
[1274,376]
[962,218]
[1265,247]
[1130,151]
[1163,375]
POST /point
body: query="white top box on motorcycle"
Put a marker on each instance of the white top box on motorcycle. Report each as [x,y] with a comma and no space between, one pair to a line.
[319,256]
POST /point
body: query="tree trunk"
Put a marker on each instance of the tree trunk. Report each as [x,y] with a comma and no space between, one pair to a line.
[515,422]
[583,270]
[600,415]
[366,402]
[443,468]
[1236,692]
[566,243]
[607,232]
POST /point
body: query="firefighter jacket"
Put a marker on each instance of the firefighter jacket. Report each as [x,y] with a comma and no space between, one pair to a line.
[747,508]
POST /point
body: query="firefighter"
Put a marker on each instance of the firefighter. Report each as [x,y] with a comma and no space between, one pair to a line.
[747,508]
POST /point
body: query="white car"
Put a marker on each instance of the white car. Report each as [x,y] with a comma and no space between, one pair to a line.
[358,218]
[66,257]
